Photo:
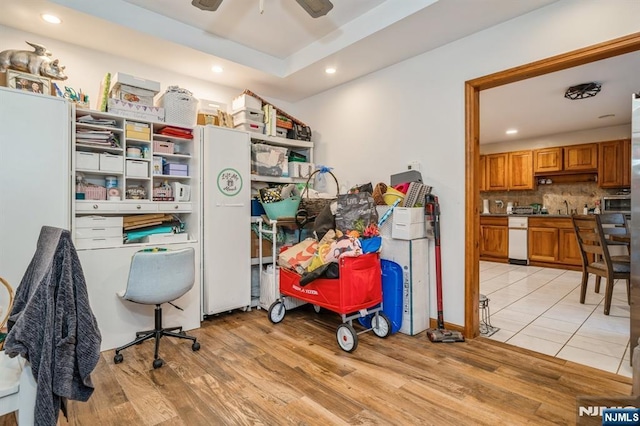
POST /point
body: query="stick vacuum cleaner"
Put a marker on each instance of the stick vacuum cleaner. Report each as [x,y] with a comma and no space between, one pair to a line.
[440,334]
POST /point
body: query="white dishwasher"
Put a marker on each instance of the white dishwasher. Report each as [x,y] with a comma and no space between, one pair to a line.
[518,248]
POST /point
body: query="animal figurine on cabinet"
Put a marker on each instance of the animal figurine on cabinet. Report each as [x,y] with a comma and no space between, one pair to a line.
[38,62]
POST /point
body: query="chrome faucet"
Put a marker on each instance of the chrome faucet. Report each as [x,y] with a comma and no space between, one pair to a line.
[566,206]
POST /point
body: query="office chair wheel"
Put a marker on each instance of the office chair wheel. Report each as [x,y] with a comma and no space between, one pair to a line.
[195,346]
[118,359]
[157,363]
[317,308]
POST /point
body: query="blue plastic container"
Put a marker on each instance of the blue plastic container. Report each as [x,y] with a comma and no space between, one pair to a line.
[391,295]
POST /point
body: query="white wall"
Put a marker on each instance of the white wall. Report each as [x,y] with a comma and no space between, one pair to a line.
[560,139]
[372,127]
[86,69]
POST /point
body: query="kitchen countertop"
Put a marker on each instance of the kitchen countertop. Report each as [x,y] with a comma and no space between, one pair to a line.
[559,216]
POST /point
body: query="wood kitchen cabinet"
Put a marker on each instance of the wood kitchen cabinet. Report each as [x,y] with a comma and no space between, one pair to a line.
[496,172]
[507,171]
[614,164]
[547,160]
[581,157]
[552,243]
[520,170]
[494,238]
[483,173]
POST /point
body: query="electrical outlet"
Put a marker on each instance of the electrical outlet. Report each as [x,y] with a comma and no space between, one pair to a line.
[413,165]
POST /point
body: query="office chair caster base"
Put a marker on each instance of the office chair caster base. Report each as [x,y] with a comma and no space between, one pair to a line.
[118,359]
[157,363]
[195,347]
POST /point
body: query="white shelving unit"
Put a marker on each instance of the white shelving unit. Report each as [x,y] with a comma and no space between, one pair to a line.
[105,258]
[132,171]
[301,147]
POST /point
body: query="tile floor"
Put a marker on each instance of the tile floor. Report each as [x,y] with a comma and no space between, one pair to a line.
[539,309]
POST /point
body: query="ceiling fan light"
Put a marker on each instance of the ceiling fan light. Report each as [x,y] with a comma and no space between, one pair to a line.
[316,8]
[208,5]
[583,91]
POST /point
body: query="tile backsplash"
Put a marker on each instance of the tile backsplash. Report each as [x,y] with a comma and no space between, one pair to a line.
[551,196]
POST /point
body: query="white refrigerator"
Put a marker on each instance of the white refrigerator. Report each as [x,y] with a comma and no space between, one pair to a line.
[226,219]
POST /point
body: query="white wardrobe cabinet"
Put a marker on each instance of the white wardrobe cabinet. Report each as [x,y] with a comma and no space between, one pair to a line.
[35,185]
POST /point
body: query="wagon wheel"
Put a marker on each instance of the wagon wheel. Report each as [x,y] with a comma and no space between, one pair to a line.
[277,311]
[347,338]
[381,325]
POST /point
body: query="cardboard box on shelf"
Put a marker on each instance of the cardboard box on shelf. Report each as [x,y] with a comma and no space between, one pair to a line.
[121,78]
[267,246]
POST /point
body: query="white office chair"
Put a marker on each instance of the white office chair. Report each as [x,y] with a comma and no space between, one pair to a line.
[158,276]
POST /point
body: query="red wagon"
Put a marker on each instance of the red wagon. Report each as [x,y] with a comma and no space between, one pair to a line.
[356,294]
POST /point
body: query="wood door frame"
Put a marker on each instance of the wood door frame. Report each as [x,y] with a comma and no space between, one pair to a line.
[608,49]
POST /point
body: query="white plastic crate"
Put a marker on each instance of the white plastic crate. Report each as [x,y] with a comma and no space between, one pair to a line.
[248,114]
[179,108]
[249,126]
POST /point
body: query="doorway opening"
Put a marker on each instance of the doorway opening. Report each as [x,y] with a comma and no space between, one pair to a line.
[473,87]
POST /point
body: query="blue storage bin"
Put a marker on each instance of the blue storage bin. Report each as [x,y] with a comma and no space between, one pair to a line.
[391,295]
[256,208]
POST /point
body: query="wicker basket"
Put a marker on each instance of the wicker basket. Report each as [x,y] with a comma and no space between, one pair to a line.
[378,194]
[179,107]
[313,206]
[5,311]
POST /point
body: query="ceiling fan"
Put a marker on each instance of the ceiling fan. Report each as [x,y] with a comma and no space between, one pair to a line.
[315,8]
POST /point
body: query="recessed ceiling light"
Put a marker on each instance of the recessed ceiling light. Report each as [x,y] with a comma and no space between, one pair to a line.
[330,70]
[216,68]
[607,116]
[511,132]
[51,18]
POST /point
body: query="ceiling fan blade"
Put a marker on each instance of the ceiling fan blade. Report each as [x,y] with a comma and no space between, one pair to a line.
[208,5]
[316,8]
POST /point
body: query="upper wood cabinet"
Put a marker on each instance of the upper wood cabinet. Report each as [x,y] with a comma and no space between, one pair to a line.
[483,173]
[614,164]
[547,160]
[520,170]
[581,157]
[496,172]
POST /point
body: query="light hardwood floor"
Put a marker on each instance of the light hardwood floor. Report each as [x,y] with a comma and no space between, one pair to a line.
[250,371]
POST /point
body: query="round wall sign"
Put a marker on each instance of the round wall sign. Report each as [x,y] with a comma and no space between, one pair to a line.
[229,182]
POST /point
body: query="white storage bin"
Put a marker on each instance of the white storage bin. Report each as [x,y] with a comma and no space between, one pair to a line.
[99,232]
[281,132]
[99,221]
[245,101]
[87,160]
[180,107]
[120,78]
[89,243]
[408,231]
[111,163]
[408,215]
[166,238]
[136,168]
[248,114]
[250,126]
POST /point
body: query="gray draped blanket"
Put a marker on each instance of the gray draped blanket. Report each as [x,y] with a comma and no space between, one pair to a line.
[52,325]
